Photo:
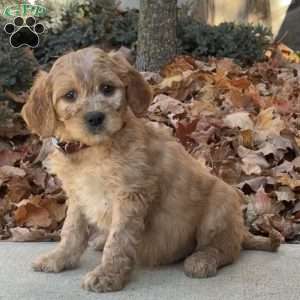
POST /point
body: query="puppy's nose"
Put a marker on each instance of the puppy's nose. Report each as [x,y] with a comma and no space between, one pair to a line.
[94,119]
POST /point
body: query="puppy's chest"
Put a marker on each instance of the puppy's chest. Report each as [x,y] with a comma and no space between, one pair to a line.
[95,194]
[94,186]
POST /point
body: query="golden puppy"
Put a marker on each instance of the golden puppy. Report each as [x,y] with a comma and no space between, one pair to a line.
[153,202]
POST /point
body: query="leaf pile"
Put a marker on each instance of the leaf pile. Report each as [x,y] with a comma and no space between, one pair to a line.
[32,202]
[243,124]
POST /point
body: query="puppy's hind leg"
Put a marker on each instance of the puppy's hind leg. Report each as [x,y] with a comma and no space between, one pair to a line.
[74,240]
[223,250]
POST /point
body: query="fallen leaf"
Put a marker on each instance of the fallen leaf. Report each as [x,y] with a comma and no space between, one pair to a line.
[267,149]
[240,120]
[253,164]
[30,213]
[246,138]
[252,185]
[179,65]
[296,164]
[262,202]
[9,157]
[227,65]
[293,183]
[201,108]
[9,171]
[57,210]
[166,105]
[268,124]
[183,132]
[285,194]
[37,176]
[20,234]
[17,189]
[285,167]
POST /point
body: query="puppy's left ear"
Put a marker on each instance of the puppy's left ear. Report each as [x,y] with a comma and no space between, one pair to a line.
[139,92]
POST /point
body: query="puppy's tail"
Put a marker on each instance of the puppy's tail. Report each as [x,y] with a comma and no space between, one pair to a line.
[254,242]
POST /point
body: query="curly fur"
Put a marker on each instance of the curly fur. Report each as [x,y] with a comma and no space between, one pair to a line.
[151,200]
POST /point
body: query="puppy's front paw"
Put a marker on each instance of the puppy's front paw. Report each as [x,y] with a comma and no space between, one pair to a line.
[101,282]
[49,263]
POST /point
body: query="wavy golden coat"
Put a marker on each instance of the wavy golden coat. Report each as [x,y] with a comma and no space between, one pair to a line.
[153,203]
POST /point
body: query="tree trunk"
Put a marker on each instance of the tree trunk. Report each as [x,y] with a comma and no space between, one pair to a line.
[157,34]
[259,11]
[203,11]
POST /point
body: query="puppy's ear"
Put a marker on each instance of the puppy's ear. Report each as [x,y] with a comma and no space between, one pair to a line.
[38,111]
[139,92]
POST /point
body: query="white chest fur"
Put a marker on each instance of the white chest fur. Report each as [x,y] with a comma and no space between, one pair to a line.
[94,197]
[91,182]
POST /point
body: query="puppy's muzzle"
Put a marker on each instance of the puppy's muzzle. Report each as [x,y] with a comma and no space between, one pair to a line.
[94,120]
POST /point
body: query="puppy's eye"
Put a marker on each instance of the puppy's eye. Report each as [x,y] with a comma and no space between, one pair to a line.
[107,89]
[70,96]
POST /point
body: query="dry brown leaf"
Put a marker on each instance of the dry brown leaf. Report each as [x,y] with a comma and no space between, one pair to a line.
[252,163]
[38,176]
[30,213]
[285,226]
[240,120]
[293,183]
[207,93]
[179,65]
[285,167]
[57,210]
[252,185]
[296,163]
[182,87]
[9,171]
[244,152]
[166,105]
[183,132]
[169,84]
[246,138]
[203,107]
[9,157]
[262,202]
[227,65]
[268,148]
[287,53]
[18,189]
[285,194]
[268,124]
[20,234]
[241,83]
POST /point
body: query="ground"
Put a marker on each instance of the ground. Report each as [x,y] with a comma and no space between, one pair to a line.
[257,275]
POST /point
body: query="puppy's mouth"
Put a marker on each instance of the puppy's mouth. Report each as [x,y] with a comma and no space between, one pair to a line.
[70,147]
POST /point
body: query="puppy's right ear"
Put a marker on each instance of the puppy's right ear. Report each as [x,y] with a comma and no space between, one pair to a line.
[38,111]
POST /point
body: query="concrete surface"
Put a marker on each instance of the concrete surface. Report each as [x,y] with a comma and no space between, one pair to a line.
[256,276]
